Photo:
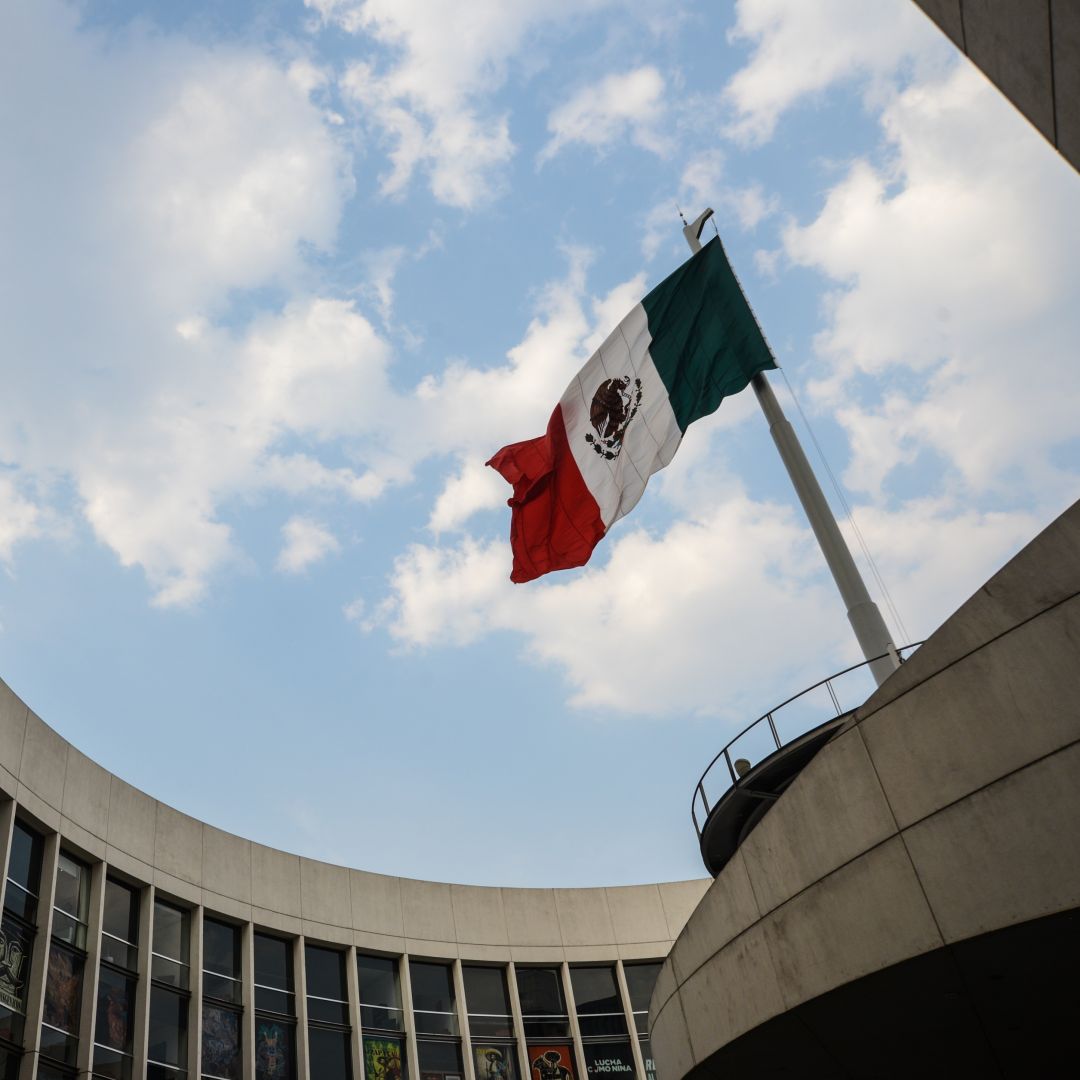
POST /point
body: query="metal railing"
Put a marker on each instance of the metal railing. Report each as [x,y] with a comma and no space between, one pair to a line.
[763,737]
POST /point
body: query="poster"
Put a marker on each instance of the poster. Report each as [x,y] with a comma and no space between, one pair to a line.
[650,1064]
[221,1042]
[609,1061]
[551,1062]
[494,1062]
[114,1010]
[384,1059]
[274,1055]
[14,965]
[63,990]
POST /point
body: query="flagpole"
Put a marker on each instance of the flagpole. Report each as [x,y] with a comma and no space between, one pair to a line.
[863,614]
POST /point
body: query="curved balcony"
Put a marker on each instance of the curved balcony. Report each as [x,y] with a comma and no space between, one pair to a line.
[740,784]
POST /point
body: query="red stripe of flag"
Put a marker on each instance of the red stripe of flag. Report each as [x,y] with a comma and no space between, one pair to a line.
[555,522]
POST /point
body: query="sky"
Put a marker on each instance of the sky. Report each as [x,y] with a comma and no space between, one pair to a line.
[278,277]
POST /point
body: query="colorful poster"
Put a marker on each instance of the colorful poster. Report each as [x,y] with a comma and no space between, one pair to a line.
[609,1061]
[384,1059]
[551,1062]
[14,965]
[494,1062]
[221,1042]
[114,1010]
[274,1055]
[63,990]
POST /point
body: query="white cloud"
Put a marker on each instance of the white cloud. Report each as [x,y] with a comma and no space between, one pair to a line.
[306,542]
[625,105]
[955,296]
[739,572]
[20,518]
[801,49]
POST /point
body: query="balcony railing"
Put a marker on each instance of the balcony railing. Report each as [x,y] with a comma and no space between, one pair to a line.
[780,726]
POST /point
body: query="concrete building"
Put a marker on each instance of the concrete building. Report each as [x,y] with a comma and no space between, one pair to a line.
[909,905]
[1030,49]
[138,942]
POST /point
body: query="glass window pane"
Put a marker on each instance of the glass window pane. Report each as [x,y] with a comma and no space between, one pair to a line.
[595,990]
[496,1062]
[275,1050]
[554,1028]
[63,989]
[372,1017]
[485,990]
[273,962]
[119,953]
[442,1059]
[330,1055]
[551,1061]
[541,992]
[169,972]
[221,1043]
[168,1027]
[222,988]
[120,915]
[640,980]
[72,887]
[275,1001]
[24,862]
[378,977]
[325,973]
[432,986]
[111,1064]
[328,1012]
[163,1072]
[172,932]
[58,1045]
[221,948]
[116,996]
[66,928]
[44,1071]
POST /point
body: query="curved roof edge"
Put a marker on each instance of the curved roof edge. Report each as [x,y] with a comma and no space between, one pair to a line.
[107,819]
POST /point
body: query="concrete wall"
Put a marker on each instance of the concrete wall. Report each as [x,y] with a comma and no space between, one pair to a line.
[1030,49]
[948,809]
[111,824]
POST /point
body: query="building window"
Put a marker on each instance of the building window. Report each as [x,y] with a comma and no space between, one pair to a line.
[602,1021]
[640,981]
[275,1009]
[116,982]
[17,932]
[222,995]
[170,1001]
[491,1025]
[435,1014]
[543,1005]
[381,1017]
[380,993]
[67,963]
[329,1033]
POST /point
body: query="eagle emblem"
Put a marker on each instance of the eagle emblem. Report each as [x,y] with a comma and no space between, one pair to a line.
[614,405]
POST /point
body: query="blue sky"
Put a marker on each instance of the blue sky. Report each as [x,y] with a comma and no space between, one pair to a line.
[277,279]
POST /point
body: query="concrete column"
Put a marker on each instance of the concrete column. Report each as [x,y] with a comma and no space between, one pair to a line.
[141,1022]
[7,823]
[88,1014]
[303,1064]
[195,959]
[463,1021]
[575,1027]
[247,997]
[353,982]
[628,1010]
[39,958]
[519,1022]
[405,984]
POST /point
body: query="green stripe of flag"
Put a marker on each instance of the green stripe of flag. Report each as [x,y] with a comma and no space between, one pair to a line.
[706,343]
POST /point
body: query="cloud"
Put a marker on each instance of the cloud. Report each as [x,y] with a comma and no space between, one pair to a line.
[799,50]
[627,105]
[176,177]
[306,543]
[953,308]
[739,572]
[20,518]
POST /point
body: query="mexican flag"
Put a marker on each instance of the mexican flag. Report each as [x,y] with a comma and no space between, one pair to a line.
[689,344]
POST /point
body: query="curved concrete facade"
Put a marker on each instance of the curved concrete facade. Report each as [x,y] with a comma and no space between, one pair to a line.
[948,809]
[119,831]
